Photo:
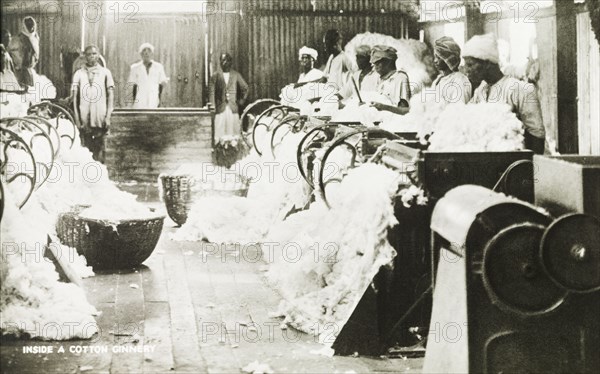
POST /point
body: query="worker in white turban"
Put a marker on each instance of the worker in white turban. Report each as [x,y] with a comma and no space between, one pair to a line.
[308,73]
[147,79]
[482,67]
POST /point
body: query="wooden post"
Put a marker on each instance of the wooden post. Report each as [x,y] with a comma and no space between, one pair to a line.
[566,42]
[473,20]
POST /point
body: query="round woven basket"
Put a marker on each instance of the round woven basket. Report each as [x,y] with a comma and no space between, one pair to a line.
[179,193]
[105,245]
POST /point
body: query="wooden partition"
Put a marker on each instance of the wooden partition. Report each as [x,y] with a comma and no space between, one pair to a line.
[144,143]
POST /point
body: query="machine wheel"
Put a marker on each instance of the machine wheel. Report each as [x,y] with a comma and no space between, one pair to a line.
[513,275]
[570,253]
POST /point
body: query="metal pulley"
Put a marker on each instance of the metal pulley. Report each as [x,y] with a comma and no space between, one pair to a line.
[513,275]
[570,253]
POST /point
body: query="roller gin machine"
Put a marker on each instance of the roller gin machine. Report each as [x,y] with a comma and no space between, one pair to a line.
[516,290]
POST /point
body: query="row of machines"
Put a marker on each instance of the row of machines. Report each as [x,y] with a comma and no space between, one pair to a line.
[499,272]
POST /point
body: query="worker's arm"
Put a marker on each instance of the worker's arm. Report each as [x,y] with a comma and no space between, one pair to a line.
[211,91]
[243,90]
[110,100]
[401,109]
[75,99]
[163,82]
[530,113]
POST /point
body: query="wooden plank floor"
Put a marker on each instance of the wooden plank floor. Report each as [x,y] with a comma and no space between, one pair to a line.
[194,311]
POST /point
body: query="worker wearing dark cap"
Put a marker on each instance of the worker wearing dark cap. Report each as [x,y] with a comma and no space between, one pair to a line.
[393,84]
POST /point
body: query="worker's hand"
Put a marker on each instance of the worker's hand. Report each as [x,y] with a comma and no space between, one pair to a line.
[376,105]
[107,122]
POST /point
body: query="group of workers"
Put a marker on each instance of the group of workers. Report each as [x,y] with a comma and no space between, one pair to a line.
[482,80]
[92,88]
[375,70]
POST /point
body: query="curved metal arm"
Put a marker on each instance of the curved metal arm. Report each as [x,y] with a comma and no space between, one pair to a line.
[339,142]
[286,122]
[60,112]
[28,122]
[283,109]
[254,108]
[51,130]
[10,137]
[300,150]
[343,141]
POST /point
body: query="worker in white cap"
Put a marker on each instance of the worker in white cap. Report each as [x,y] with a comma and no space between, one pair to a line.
[482,67]
[147,79]
[364,78]
[392,83]
[308,57]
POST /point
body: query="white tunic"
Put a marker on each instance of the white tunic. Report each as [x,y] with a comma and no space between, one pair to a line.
[312,75]
[147,84]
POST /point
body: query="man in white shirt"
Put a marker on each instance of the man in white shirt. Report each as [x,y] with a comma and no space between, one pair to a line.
[393,84]
[148,79]
[482,67]
[308,57]
[93,102]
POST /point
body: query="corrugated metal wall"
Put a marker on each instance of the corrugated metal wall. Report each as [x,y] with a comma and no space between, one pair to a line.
[56,31]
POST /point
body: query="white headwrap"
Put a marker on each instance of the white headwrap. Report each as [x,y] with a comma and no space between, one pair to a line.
[34,38]
[308,51]
[483,47]
[146,45]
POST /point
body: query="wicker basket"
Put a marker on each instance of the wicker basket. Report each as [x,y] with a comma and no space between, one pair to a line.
[176,192]
[110,245]
[179,192]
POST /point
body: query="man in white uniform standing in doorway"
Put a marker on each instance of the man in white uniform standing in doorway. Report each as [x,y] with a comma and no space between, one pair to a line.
[148,79]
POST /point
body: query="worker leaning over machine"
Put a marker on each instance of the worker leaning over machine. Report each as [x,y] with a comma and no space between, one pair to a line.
[481,65]
[451,85]
[392,83]
[365,78]
[308,57]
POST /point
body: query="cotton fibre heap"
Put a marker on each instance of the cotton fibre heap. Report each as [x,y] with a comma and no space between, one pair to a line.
[78,179]
[274,190]
[32,300]
[300,97]
[477,128]
[414,57]
[323,260]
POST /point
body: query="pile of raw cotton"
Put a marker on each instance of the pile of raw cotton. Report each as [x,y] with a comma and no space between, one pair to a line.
[477,128]
[325,259]
[414,57]
[32,300]
[276,187]
[77,179]
[354,111]
[423,114]
[13,105]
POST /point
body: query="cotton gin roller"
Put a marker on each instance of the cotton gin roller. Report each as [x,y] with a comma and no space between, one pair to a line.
[516,290]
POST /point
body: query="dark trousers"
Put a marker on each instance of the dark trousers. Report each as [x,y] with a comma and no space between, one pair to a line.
[93,139]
